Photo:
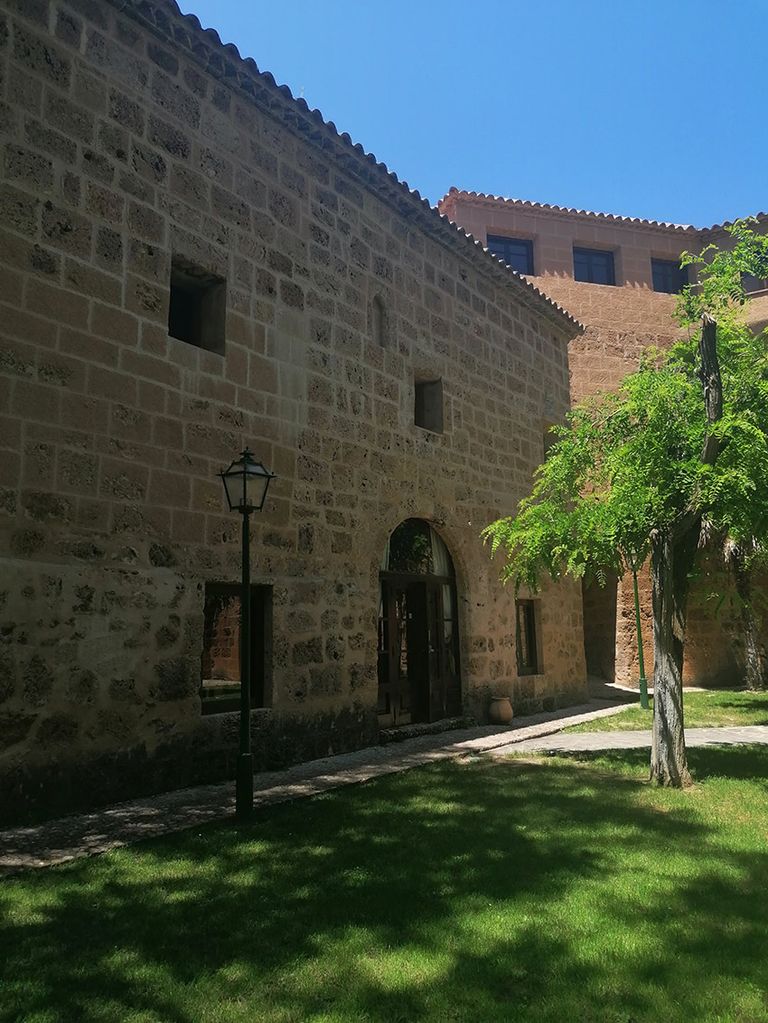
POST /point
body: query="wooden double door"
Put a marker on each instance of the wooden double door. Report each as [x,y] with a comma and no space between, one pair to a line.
[418,650]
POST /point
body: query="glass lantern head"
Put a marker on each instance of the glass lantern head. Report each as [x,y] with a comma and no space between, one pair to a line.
[246,482]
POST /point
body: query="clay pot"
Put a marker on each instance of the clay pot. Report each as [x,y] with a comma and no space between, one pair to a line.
[500,710]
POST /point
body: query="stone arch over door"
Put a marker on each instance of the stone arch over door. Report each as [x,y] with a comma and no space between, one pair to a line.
[419,676]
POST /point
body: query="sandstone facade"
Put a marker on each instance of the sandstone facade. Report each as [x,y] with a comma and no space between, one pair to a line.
[621,322]
[137,151]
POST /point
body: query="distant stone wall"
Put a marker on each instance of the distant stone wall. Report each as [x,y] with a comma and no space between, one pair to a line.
[131,138]
[622,322]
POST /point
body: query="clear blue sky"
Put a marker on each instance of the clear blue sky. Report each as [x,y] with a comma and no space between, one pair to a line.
[650,108]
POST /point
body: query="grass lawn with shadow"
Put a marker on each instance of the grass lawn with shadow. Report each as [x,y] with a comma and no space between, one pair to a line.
[701,710]
[555,889]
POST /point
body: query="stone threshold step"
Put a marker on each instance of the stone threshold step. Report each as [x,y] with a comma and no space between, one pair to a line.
[387,735]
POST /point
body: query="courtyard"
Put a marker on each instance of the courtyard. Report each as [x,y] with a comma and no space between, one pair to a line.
[474,888]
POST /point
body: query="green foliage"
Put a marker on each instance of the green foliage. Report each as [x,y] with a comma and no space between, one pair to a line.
[719,289]
[629,463]
[471,891]
[624,465]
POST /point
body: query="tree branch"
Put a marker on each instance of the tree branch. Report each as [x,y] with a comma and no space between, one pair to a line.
[709,374]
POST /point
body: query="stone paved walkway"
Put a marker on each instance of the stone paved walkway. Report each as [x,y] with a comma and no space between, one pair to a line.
[68,838]
[722,736]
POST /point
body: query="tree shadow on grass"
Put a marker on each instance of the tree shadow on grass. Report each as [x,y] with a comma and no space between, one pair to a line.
[462,891]
[748,762]
[756,708]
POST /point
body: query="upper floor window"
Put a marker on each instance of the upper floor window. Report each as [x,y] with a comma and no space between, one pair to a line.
[428,405]
[516,252]
[594,266]
[197,307]
[668,276]
[750,283]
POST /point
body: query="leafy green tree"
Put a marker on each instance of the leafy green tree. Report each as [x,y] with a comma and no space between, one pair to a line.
[738,515]
[639,470]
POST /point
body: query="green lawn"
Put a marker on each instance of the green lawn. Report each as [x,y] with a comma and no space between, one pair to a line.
[713,707]
[556,890]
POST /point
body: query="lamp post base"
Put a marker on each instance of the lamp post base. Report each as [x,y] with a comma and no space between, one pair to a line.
[244,786]
[644,693]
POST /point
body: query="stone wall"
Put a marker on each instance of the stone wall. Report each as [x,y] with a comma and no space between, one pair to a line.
[130,138]
[621,322]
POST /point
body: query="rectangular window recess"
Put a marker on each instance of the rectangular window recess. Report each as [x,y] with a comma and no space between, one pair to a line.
[428,405]
[220,663]
[197,307]
[593,266]
[516,252]
[668,276]
[529,660]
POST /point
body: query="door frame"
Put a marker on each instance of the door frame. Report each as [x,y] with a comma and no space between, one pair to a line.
[425,705]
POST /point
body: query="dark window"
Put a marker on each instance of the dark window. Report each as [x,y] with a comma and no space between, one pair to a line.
[750,283]
[528,656]
[516,252]
[220,689]
[428,407]
[379,321]
[197,307]
[668,276]
[593,266]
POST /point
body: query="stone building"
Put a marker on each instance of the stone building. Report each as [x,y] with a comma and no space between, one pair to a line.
[619,276]
[192,261]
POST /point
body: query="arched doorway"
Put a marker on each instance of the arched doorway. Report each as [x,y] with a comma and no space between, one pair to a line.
[418,628]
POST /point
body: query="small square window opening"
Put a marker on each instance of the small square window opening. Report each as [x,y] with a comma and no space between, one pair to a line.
[197,306]
[428,406]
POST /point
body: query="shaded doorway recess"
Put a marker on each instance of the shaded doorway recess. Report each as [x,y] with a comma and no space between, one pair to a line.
[600,620]
[418,653]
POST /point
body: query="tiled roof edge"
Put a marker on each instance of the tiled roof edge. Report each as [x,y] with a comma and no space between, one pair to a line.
[223,61]
[762,217]
[454,193]
[493,200]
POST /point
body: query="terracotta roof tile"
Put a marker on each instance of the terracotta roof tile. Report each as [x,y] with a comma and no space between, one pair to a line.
[261,87]
[455,193]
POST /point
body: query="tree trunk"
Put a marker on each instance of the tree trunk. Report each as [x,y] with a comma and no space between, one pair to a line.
[673,554]
[754,675]
[671,563]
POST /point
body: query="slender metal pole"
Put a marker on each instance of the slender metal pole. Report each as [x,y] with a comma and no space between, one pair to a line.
[244,780]
[641,661]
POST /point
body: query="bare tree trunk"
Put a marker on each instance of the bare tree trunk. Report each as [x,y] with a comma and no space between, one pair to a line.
[671,563]
[754,675]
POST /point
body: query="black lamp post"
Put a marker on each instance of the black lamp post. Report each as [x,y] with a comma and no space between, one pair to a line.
[246,482]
